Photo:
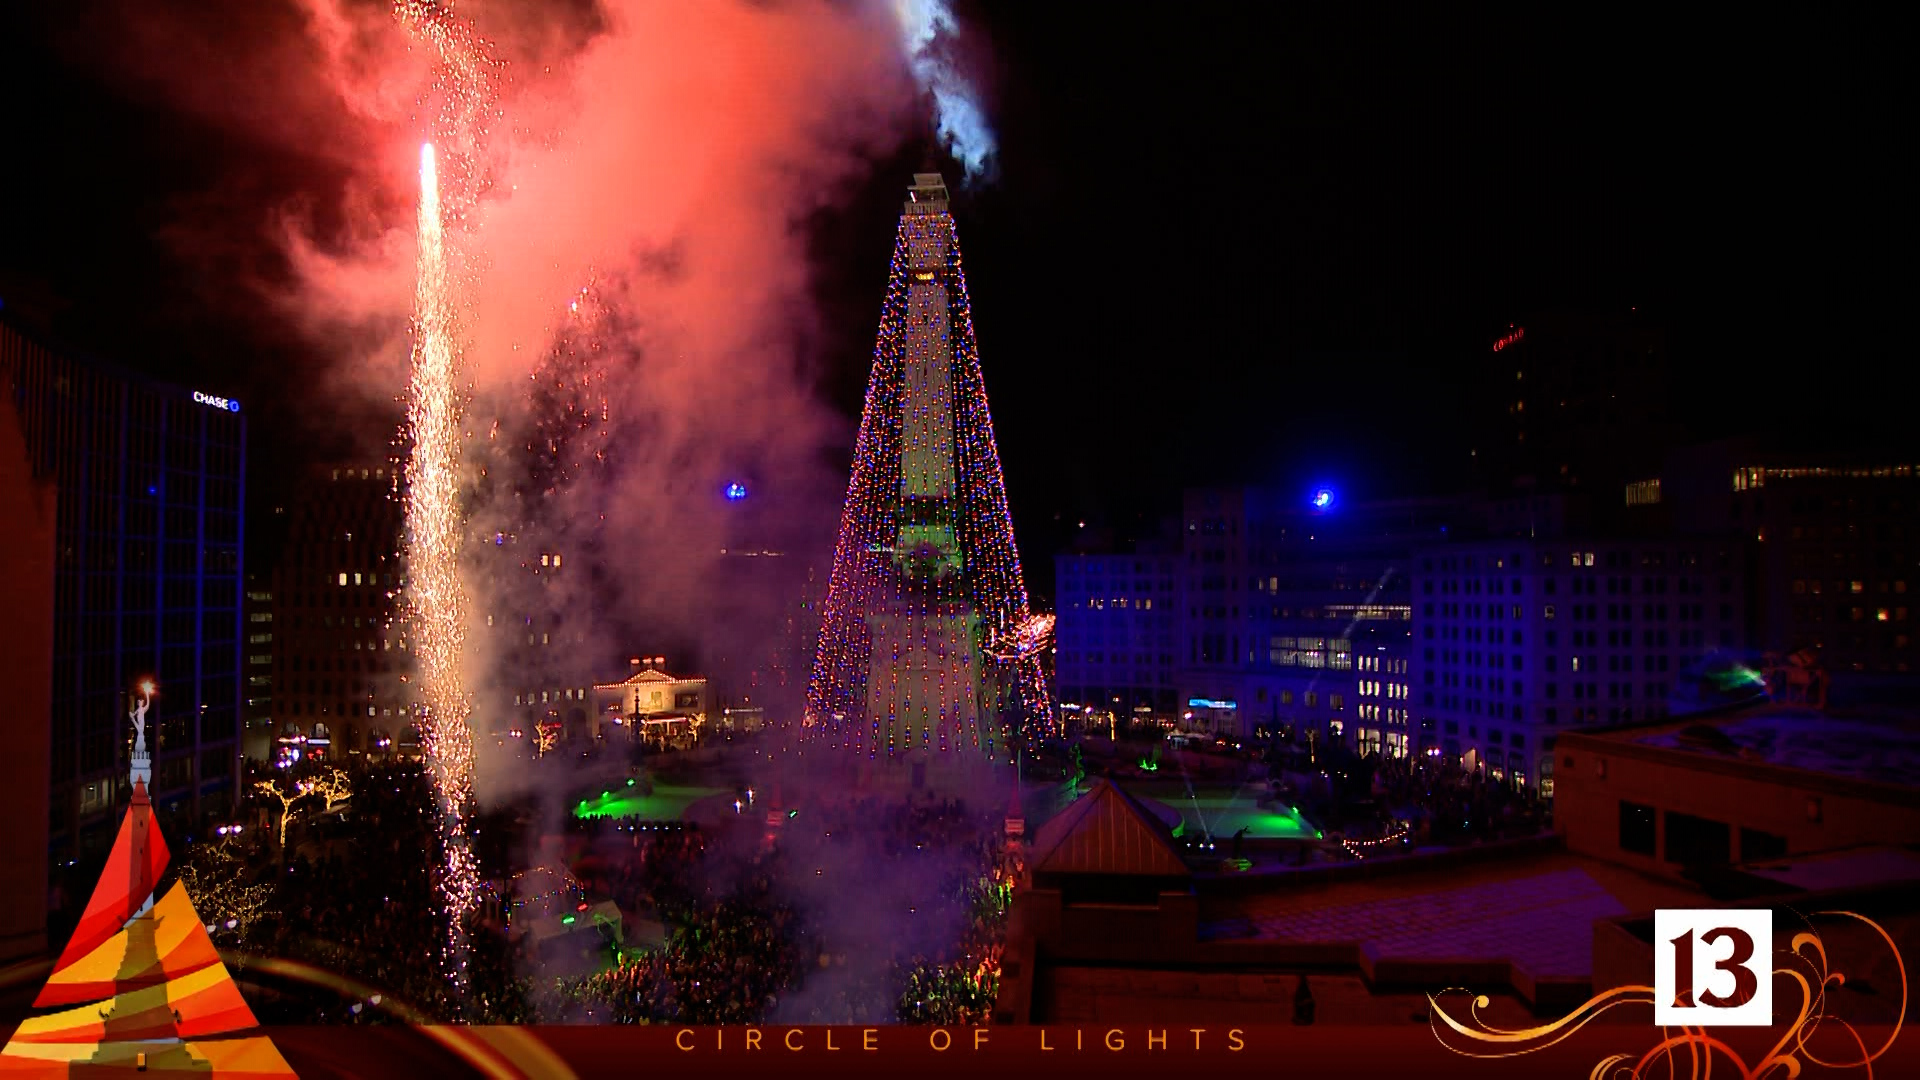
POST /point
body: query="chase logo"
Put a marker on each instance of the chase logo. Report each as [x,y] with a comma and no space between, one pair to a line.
[217,402]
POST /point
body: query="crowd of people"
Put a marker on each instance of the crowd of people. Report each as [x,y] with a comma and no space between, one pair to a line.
[848,911]
[344,923]
[782,925]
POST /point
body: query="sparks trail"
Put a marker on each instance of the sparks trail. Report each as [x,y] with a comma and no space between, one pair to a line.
[436,597]
[460,106]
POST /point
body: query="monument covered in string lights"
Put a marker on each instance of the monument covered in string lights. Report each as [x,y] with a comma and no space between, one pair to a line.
[929,657]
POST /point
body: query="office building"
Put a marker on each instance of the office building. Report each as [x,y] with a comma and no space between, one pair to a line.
[1114,635]
[337,658]
[1518,639]
[1296,614]
[150,483]
[1834,544]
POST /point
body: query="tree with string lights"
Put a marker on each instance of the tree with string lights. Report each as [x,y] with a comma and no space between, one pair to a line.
[333,785]
[922,650]
[286,798]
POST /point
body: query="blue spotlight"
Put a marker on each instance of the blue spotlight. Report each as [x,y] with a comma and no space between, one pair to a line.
[1322,498]
[736,491]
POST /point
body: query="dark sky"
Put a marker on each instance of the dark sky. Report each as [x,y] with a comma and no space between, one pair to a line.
[1228,242]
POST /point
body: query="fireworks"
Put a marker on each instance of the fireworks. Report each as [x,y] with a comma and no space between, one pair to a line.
[462,102]
[436,598]
[1029,639]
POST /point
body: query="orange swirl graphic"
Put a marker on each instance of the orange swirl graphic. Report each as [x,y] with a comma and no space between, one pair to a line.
[1692,1052]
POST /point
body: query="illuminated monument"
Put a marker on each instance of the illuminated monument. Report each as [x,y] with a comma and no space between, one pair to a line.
[928,656]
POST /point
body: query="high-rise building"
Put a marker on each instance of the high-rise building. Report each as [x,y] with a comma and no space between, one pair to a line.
[922,656]
[336,655]
[1573,400]
[1296,614]
[28,504]
[1833,544]
[1115,635]
[256,713]
[1522,638]
[150,481]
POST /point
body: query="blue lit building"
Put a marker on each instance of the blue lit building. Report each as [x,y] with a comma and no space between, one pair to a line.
[1114,634]
[150,488]
[1296,615]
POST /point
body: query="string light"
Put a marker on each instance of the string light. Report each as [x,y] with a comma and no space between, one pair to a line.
[926,576]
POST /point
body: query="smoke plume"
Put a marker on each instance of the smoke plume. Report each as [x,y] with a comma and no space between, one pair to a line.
[928,35]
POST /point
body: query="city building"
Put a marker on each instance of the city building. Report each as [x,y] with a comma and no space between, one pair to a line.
[1768,784]
[334,682]
[150,481]
[922,663]
[539,668]
[1115,922]
[1522,638]
[1834,544]
[1114,635]
[1297,615]
[256,713]
[28,503]
[650,705]
[1573,400]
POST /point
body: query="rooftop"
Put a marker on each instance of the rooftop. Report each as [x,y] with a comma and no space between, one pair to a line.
[1106,831]
[1536,914]
[1878,750]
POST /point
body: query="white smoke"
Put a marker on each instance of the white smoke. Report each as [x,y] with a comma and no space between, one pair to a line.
[961,122]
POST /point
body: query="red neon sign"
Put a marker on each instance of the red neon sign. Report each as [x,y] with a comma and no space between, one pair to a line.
[1518,333]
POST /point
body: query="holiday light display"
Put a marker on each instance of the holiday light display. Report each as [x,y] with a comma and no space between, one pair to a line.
[286,798]
[921,647]
[334,786]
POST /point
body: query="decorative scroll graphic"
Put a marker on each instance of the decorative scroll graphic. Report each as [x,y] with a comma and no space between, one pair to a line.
[1692,1052]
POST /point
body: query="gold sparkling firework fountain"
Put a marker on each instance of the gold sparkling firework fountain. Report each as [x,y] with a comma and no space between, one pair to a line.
[459,107]
[436,599]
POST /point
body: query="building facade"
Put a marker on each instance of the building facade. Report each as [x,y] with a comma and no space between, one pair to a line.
[29,505]
[1114,637]
[651,706]
[1297,617]
[1834,548]
[335,688]
[151,482]
[1522,638]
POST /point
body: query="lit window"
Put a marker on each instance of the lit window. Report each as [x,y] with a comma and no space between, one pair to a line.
[1856,586]
[556,562]
[1881,615]
[545,560]
[356,579]
[1547,613]
[343,578]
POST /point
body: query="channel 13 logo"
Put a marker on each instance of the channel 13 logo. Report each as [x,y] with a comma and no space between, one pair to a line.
[1712,968]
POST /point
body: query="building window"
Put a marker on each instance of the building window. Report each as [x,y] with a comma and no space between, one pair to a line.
[1638,830]
[1547,612]
[1696,841]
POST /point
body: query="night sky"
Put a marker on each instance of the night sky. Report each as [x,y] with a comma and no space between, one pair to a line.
[1223,243]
